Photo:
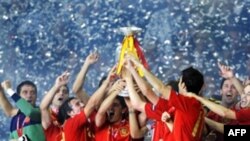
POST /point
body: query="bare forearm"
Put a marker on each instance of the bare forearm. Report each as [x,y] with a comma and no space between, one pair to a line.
[135,130]
[107,103]
[6,105]
[215,125]
[44,106]
[218,109]
[136,101]
[96,98]
[79,82]
[157,84]
[98,95]
[144,87]
[142,119]
[48,98]
[101,114]
[139,80]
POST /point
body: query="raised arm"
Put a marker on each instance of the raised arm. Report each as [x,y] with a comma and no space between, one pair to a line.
[227,73]
[8,109]
[216,108]
[135,99]
[98,95]
[23,105]
[117,87]
[79,82]
[153,80]
[47,100]
[145,88]
[136,130]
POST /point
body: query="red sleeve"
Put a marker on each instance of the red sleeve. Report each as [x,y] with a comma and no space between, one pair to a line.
[182,102]
[155,111]
[162,105]
[243,115]
[73,127]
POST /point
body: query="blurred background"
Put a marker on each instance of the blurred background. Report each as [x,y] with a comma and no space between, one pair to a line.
[39,39]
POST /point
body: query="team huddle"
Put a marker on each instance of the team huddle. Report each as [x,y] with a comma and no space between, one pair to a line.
[126,106]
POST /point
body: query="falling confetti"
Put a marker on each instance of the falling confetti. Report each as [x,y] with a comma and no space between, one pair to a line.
[42,38]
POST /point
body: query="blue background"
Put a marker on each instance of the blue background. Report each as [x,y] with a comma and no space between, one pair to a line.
[39,39]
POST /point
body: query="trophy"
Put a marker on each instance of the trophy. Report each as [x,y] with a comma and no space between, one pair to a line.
[131,46]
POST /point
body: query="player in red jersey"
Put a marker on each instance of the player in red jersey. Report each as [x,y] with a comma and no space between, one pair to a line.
[74,115]
[50,106]
[240,114]
[155,105]
[189,114]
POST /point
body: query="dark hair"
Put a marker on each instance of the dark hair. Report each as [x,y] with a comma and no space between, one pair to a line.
[26,82]
[123,104]
[102,79]
[222,82]
[193,80]
[63,110]
[174,85]
[122,101]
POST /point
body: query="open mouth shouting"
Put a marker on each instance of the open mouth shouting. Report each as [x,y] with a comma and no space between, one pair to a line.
[229,95]
[111,113]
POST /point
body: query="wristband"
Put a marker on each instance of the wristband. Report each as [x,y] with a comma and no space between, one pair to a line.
[10,92]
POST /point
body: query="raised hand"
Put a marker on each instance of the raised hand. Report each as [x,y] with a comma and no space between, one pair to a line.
[112,74]
[126,74]
[128,64]
[118,86]
[132,58]
[6,84]
[63,79]
[165,117]
[225,71]
[92,58]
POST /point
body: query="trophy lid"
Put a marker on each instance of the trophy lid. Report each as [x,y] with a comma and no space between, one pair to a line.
[130,30]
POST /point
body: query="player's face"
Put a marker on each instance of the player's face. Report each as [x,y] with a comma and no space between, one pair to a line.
[28,93]
[115,112]
[245,98]
[76,106]
[60,96]
[228,92]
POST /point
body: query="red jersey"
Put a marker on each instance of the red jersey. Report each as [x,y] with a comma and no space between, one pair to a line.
[242,116]
[54,131]
[188,119]
[75,128]
[155,111]
[161,130]
[114,132]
